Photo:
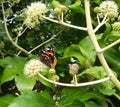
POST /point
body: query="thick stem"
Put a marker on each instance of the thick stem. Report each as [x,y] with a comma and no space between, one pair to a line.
[97,47]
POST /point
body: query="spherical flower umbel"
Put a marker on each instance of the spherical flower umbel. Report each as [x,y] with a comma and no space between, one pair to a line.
[33,13]
[33,67]
[110,8]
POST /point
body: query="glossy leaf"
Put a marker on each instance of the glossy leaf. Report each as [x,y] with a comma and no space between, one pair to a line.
[12,66]
[113,36]
[87,50]
[5,100]
[74,51]
[106,90]
[46,83]
[13,69]
[25,84]
[97,72]
[33,99]
[70,95]
[92,104]
[106,32]
[76,7]
[113,58]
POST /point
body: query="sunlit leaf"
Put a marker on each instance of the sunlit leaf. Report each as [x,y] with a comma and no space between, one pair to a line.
[24,84]
[97,72]
[74,51]
[33,99]
[5,100]
[12,66]
[14,70]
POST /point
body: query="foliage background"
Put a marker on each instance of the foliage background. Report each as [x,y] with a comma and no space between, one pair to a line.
[18,91]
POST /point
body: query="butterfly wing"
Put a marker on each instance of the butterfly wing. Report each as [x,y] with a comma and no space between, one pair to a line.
[47,57]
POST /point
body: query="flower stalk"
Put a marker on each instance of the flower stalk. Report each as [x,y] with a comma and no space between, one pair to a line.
[74,85]
[97,47]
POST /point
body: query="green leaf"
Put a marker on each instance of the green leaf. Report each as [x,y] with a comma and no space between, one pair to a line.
[13,69]
[24,84]
[74,51]
[33,99]
[92,104]
[86,43]
[113,58]
[113,36]
[87,49]
[89,54]
[46,83]
[106,90]
[107,31]
[5,100]
[76,7]
[69,95]
[97,71]
[12,66]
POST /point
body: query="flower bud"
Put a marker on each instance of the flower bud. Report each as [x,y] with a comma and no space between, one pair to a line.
[73,68]
[97,9]
[52,71]
[56,78]
[63,8]
[57,11]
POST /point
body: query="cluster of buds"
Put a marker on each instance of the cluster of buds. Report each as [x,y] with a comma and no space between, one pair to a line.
[58,8]
[35,66]
[109,8]
[52,75]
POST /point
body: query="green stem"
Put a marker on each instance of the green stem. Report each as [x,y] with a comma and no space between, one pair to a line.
[46,41]
[117,96]
[74,85]
[65,24]
[111,45]
[7,32]
[97,47]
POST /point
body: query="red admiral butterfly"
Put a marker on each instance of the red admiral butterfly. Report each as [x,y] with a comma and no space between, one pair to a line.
[48,56]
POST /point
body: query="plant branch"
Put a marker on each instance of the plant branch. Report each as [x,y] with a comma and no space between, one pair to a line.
[97,47]
[117,96]
[46,41]
[105,19]
[109,46]
[74,85]
[7,32]
[65,24]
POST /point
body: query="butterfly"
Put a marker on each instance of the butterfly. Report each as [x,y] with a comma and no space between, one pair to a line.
[47,56]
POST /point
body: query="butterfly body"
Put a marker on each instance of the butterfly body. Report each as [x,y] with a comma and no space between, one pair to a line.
[48,57]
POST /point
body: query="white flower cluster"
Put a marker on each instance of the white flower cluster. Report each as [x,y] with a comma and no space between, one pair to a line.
[33,14]
[33,67]
[110,8]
